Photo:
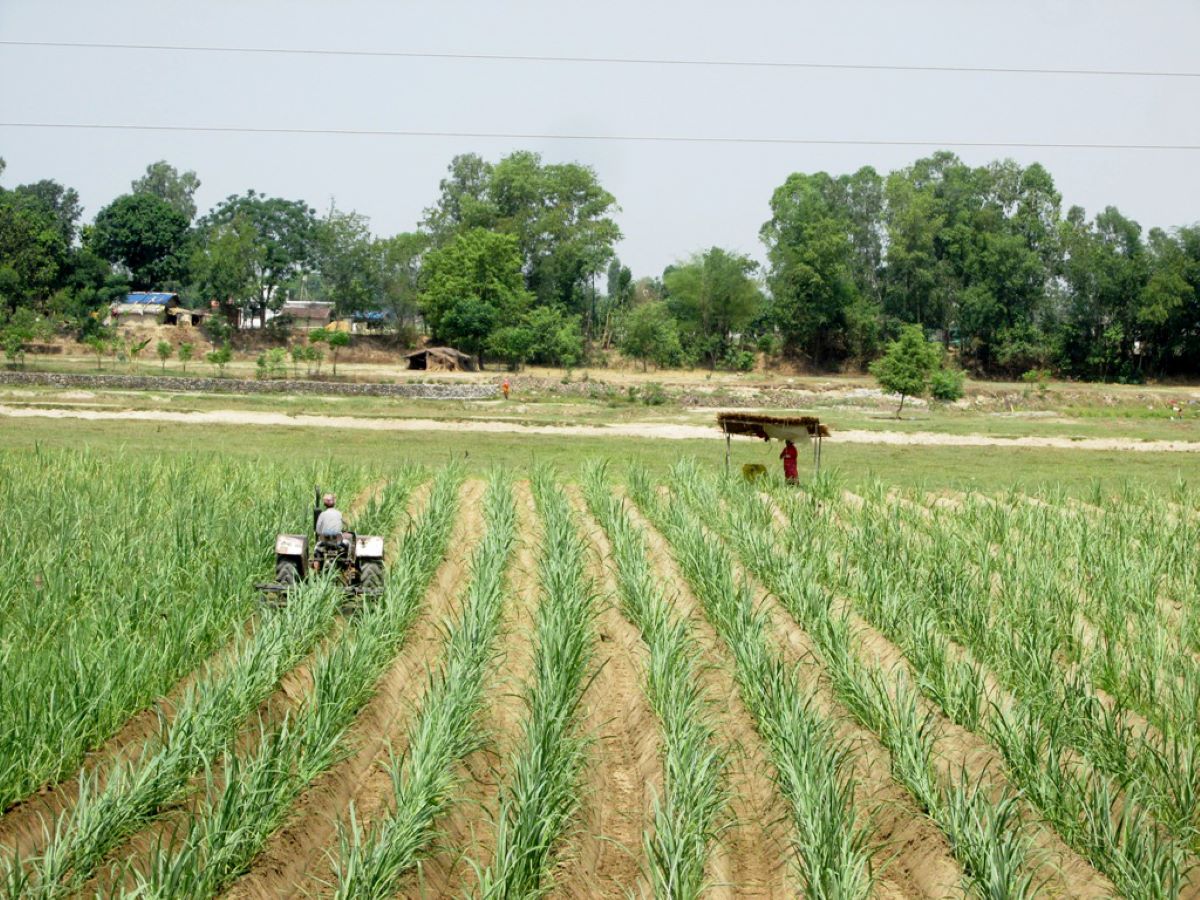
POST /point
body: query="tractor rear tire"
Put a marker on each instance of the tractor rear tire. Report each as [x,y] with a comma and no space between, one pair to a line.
[287,572]
[370,576]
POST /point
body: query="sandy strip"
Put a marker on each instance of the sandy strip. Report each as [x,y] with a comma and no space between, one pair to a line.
[630,429]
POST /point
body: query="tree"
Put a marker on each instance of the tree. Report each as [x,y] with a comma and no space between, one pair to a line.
[908,365]
[399,260]
[147,236]
[812,262]
[560,215]
[134,350]
[284,235]
[648,334]
[473,286]
[345,255]
[336,341]
[62,203]
[512,345]
[164,351]
[22,327]
[712,296]
[186,351]
[226,262]
[33,253]
[219,358]
[164,181]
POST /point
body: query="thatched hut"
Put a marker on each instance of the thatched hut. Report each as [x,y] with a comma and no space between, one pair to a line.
[779,428]
[441,359]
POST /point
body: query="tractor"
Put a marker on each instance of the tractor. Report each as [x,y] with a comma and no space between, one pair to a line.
[356,558]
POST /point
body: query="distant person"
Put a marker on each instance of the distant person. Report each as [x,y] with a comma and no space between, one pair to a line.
[789,456]
[505,387]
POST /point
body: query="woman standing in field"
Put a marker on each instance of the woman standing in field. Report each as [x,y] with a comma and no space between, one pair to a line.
[789,455]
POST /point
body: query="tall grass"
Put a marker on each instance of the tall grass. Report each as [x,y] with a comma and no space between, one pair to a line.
[830,834]
[688,817]
[372,861]
[209,716]
[118,579]
[918,590]
[260,785]
[541,792]
[993,853]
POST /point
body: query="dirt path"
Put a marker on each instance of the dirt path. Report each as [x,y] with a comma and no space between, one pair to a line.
[604,858]
[750,859]
[656,430]
[296,858]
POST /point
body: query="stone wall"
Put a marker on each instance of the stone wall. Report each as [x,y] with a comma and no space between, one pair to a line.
[415,390]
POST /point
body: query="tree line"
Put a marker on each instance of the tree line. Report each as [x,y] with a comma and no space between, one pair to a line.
[515,261]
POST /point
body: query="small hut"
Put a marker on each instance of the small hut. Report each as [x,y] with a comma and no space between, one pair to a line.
[780,428]
[147,308]
[441,359]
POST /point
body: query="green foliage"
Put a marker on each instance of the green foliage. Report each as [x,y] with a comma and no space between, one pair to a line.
[649,335]
[947,384]
[712,295]
[908,365]
[18,330]
[559,215]
[186,351]
[512,345]
[473,286]
[271,364]
[164,350]
[147,236]
[219,358]
[273,242]
[164,181]
[336,341]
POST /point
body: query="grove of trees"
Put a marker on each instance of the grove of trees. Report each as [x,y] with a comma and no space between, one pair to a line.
[515,261]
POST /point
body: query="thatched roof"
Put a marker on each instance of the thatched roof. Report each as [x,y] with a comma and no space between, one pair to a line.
[768,427]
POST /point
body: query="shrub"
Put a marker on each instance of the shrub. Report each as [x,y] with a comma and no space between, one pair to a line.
[947,384]
[653,394]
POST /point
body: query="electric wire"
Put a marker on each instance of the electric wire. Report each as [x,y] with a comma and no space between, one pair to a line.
[612,60]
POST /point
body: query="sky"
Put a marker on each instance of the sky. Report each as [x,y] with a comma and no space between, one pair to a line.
[675,199]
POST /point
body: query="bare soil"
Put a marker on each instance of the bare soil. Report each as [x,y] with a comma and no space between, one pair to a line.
[604,856]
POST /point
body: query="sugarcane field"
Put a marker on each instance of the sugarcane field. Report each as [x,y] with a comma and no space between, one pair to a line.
[599,451]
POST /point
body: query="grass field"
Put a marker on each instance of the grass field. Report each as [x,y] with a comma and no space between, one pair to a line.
[616,675]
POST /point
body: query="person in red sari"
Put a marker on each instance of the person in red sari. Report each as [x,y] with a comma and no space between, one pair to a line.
[789,456]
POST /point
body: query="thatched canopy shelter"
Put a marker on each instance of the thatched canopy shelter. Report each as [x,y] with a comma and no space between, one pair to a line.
[779,428]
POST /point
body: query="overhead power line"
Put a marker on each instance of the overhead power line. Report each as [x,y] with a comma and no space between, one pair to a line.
[611,60]
[638,138]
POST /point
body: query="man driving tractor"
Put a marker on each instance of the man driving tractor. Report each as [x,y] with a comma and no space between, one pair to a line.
[331,529]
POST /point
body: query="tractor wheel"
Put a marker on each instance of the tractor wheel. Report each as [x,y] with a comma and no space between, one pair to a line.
[370,576]
[287,572]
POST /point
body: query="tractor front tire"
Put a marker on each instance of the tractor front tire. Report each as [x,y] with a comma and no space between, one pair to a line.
[370,576]
[287,572]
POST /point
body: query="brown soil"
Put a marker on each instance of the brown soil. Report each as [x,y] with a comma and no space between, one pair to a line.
[467,830]
[604,857]
[296,859]
[751,858]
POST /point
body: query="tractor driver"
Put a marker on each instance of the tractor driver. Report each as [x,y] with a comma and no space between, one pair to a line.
[330,527]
